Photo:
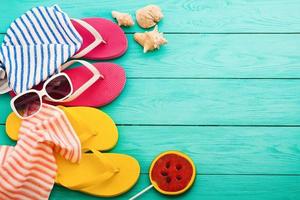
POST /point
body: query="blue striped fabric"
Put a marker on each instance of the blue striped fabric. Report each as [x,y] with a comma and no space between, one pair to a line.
[35,46]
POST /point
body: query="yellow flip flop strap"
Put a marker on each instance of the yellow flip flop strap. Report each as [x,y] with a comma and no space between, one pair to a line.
[105,161]
[85,131]
[112,170]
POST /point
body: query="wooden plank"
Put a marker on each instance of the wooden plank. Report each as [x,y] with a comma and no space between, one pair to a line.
[212,188]
[218,150]
[5,108]
[4,139]
[207,102]
[202,102]
[217,56]
[181,15]
[215,150]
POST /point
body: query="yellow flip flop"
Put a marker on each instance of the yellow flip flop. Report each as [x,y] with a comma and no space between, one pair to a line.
[95,129]
[99,174]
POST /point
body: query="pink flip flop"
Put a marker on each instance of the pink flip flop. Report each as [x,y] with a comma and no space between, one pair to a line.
[102,39]
[90,88]
[94,85]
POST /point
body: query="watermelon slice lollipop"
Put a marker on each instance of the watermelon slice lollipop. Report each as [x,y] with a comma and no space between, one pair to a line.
[171,173]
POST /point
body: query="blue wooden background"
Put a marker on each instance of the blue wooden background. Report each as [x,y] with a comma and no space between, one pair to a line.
[225,90]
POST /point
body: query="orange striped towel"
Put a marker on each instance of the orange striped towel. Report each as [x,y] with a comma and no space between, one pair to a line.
[28,170]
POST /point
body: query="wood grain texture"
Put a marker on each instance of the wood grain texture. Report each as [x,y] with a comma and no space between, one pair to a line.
[5,108]
[181,15]
[202,102]
[207,102]
[218,150]
[225,90]
[216,56]
[215,150]
[213,188]
[4,139]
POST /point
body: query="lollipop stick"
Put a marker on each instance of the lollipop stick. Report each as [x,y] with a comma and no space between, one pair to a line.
[141,192]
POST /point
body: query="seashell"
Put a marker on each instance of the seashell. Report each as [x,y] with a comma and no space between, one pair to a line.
[150,40]
[149,16]
[123,19]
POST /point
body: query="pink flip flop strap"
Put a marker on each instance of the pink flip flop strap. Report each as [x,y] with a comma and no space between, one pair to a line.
[86,85]
[98,39]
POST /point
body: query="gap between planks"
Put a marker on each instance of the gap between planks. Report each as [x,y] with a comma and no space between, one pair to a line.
[211,78]
[208,125]
[225,33]
[204,174]
[203,125]
[217,33]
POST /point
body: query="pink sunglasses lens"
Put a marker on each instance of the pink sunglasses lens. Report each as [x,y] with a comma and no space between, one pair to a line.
[28,104]
[59,88]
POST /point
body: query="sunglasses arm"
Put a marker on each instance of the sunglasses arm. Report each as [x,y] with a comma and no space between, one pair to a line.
[89,83]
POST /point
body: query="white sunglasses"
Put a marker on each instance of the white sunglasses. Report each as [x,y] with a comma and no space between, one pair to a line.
[57,88]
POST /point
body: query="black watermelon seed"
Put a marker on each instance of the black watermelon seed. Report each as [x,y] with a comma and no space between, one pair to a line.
[178,167]
[168,179]
[178,178]
[163,173]
[168,164]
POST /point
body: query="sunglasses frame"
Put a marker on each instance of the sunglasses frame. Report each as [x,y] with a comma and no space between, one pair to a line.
[41,93]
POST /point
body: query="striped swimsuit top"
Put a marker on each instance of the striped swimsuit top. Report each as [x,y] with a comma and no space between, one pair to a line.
[36,45]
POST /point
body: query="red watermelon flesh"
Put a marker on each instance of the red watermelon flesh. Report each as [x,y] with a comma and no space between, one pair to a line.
[172,172]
